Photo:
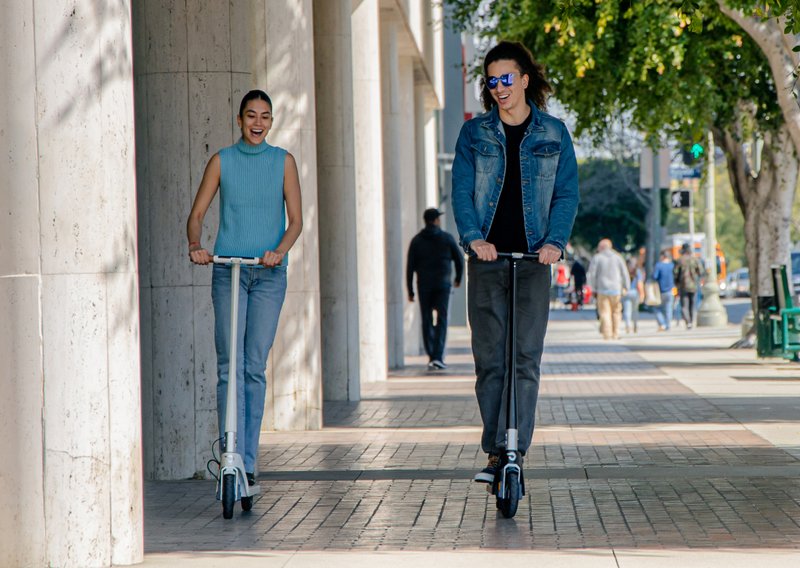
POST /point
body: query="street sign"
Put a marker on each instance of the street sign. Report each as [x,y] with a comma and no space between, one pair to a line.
[681,198]
[682,172]
[646,168]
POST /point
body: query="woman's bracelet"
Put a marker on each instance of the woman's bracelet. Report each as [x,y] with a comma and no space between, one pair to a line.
[193,243]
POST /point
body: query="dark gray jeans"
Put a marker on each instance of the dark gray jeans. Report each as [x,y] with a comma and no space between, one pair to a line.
[487,301]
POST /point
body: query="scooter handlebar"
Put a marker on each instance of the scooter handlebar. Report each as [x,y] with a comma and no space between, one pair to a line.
[519,255]
[236,260]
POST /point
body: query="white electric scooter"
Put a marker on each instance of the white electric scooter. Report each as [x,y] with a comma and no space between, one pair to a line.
[233,485]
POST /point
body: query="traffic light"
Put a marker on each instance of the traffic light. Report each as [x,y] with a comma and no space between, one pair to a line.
[692,154]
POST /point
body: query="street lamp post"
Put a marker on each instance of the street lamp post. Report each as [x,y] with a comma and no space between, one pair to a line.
[711,313]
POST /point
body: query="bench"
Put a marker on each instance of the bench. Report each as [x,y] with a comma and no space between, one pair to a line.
[784,316]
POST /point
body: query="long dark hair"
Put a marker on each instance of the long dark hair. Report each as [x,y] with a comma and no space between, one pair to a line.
[538,89]
[252,95]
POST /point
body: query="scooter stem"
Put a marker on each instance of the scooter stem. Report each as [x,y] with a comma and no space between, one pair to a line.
[511,402]
[231,403]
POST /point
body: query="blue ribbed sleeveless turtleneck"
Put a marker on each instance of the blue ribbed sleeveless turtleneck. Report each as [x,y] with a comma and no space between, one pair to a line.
[252,214]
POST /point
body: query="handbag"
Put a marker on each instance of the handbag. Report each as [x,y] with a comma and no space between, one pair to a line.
[652,294]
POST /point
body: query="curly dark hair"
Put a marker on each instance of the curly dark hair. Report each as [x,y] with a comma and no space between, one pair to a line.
[538,90]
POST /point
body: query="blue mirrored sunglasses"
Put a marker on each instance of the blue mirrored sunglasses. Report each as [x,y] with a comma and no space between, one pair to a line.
[507,80]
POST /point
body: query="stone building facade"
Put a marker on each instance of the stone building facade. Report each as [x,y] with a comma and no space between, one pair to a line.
[110,111]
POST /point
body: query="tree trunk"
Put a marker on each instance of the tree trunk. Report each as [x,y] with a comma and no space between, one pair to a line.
[765,200]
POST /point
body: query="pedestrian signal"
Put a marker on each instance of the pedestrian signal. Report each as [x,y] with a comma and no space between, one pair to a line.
[692,154]
[681,198]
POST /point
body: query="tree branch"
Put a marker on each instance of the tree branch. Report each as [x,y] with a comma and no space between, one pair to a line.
[777,48]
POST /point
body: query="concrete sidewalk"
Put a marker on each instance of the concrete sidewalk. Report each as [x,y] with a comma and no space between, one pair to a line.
[659,449]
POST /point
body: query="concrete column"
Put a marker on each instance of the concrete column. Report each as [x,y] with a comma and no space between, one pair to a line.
[452,118]
[369,155]
[338,247]
[69,382]
[294,375]
[392,193]
[191,69]
[411,211]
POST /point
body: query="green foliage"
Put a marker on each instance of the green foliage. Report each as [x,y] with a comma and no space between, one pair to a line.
[608,207]
[638,59]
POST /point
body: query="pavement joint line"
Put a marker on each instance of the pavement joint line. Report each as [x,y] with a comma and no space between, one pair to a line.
[575,473]
[653,427]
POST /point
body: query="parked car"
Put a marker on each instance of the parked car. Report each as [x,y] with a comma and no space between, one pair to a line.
[737,284]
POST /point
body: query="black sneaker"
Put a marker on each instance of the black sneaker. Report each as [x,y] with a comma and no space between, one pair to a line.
[251,478]
[438,363]
[486,475]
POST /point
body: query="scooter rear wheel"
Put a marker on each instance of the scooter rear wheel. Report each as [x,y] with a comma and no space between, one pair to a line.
[509,500]
[228,495]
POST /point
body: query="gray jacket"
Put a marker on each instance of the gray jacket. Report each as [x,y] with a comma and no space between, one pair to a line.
[608,274]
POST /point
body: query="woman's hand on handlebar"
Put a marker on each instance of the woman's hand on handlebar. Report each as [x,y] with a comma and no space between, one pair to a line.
[549,254]
[272,258]
[199,255]
[483,250]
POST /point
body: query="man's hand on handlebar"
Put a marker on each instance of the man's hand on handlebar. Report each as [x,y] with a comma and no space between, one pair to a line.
[483,250]
[549,254]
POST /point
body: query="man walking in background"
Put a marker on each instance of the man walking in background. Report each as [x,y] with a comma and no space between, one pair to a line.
[687,273]
[430,255]
[608,276]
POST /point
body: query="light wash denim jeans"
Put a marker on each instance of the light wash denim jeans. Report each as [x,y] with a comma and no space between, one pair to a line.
[630,309]
[664,311]
[487,301]
[261,295]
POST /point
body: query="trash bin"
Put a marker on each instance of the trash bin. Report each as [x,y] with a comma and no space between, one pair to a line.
[765,340]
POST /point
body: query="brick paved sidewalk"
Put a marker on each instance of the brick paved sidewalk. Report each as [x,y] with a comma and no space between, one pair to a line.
[626,455]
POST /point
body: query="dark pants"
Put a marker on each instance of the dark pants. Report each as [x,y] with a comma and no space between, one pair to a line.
[687,306]
[488,316]
[434,335]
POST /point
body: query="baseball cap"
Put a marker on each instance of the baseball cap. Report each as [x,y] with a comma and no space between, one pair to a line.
[431,215]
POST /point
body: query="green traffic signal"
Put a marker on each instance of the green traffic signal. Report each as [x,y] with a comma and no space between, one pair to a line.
[697,151]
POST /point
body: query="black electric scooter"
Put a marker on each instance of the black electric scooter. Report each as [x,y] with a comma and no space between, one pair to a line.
[509,483]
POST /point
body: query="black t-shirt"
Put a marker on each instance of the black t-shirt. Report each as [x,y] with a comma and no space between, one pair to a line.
[507,232]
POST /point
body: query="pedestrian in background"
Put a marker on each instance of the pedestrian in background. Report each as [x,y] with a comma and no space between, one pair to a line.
[431,255]
[687,273]
[633,297]
[663,275]
[578,276]
[609,278]
[515,189]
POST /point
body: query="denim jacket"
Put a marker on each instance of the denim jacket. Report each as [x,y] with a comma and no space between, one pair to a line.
[549,176]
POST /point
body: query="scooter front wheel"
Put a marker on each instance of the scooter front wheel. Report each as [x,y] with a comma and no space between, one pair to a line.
[228,494]
[509,500]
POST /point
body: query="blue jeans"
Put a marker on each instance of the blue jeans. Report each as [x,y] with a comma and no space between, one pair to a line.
[664,311]
[261,295]
[630,309]
[487,302]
